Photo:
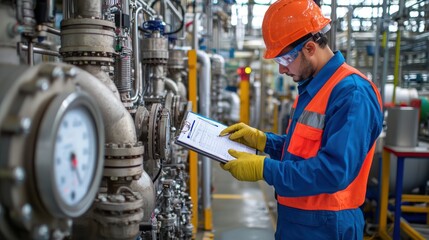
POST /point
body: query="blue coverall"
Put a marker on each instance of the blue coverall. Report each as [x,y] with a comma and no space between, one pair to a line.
[353,123]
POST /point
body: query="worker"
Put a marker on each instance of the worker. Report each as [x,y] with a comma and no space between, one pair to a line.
[319,168]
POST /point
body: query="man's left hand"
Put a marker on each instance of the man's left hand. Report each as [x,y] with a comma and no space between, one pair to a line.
[247,166]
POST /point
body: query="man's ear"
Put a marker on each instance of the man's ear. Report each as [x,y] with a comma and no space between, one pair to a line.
[309,48]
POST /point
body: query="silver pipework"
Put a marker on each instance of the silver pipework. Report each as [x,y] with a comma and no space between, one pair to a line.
[88,9]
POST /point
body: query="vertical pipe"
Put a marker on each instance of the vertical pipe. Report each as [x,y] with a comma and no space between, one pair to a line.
[30,53]
[244,100]
[136,55]
[397,58]
[401,12]
[193,157]
[386,48]
[204,109]
[375,79]
[384,193]
[88,9]
[65,9]
[263,93]
[275,128]
[209,25]
[195,32]
[333,31]
[349,34]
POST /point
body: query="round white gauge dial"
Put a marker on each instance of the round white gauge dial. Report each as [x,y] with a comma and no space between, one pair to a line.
[69,154]
[75,155]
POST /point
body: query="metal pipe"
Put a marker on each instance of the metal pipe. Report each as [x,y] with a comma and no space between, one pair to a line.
[256,103]
[195,32]
[234,105]
[333,33]
[52,30]
[136,55]
[210,25]
[349,34]
[204,109]
[148,10]
[30,52]
[172,86]
[40,50]
[398,49]
[386,48]
[88,9]
[397,58]
[118,123]
[375,79]
[263,94]
[66,9]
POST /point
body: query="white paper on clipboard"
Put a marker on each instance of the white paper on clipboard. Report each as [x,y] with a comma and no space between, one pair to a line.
[201,134]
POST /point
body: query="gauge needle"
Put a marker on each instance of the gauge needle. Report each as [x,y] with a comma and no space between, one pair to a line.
[74,166]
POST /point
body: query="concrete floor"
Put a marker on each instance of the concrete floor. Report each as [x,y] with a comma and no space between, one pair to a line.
[241,210]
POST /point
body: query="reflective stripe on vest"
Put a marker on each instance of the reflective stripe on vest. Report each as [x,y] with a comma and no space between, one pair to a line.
[306,140]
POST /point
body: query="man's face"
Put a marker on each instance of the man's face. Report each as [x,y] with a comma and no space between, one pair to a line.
[299,70]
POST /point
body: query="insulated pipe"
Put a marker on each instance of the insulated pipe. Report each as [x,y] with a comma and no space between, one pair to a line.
[204,109]
[172,86]
[234,104]
[118,123]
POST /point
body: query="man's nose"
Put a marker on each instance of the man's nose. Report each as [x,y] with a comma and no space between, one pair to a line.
[283,69]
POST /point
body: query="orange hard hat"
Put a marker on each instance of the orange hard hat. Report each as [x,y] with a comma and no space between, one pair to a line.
[286,21]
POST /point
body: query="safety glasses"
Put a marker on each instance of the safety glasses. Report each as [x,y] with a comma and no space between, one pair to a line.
[290,56]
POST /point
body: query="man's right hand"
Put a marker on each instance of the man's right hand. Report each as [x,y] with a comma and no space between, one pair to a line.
[247,135]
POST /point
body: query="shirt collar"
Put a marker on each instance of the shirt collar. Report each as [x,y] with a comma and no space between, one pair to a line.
[313,84]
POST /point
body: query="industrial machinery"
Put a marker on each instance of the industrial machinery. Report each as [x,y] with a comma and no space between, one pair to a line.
[92,95]
[89,111]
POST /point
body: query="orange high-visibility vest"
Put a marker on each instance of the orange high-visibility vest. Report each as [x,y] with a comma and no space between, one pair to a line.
[306,140]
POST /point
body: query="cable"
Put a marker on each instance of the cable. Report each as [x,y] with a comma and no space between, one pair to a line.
[159,172]
[182,10]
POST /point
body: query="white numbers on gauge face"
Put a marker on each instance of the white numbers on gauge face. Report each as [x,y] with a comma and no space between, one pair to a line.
[75,155]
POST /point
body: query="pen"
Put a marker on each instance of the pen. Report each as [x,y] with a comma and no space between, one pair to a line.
[190,130]
[207,121]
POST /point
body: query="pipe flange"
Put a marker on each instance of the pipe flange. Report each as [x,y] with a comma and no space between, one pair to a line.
[119,214]
[123,161]
[87,21]
[152,136]
[123,150]
[176,59]
[168,103]
[164,134]
[154,61]
[140,120]
[88,58]
[120,202]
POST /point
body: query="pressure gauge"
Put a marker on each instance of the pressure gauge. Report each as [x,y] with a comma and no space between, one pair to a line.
[69,154]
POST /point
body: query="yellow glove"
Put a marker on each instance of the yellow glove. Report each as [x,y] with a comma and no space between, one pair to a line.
[246,135]
[247,166]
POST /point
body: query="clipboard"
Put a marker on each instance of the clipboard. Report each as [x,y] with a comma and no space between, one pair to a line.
[201,134]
